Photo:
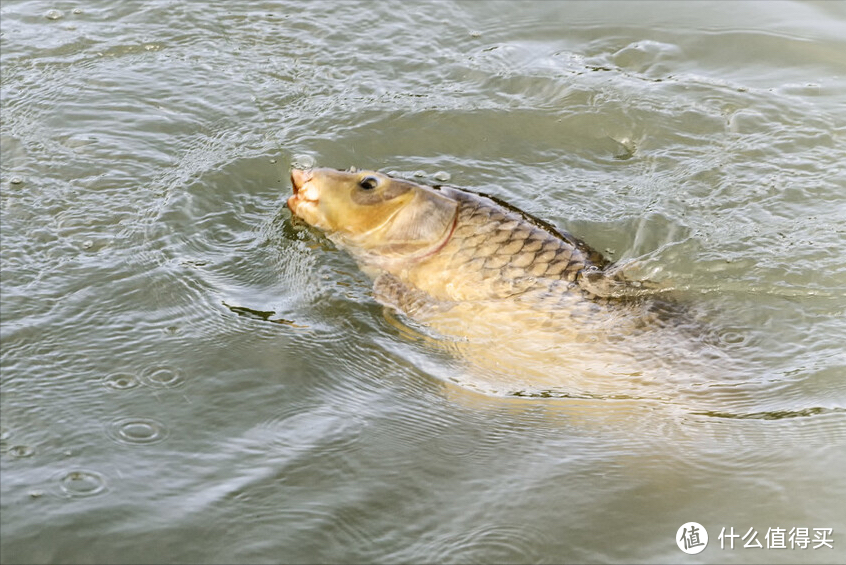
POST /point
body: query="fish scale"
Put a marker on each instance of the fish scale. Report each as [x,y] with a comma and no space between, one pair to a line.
[491,244]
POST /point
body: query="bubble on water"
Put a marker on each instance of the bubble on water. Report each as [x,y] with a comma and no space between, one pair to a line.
[302,161]
[78,484]
[162,377]
[15,180]
[77,11]
[441,176]
[88,244]
[475,34]
[120,381]
[137,431]
[54,15]
[273,160]
[5,433]
[419,174]
[36,493]
[21,451]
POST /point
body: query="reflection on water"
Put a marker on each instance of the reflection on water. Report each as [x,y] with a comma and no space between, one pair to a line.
[190,376]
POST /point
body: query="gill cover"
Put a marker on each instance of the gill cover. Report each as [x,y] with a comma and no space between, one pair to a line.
[426,219]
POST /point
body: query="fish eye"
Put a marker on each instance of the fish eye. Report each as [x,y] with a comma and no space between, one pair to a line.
[368,183]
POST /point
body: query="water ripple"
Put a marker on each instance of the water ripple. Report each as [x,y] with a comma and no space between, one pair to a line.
[162,377]
[301,431]
[19,451]
[120,381]
[137,431]
[165,244]
[492,544]
[81,484]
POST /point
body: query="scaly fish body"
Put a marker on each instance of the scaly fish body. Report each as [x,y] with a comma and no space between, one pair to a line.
[443,244]
[535,310]
[497,253]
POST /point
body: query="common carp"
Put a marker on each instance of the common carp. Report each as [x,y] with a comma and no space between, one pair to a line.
[475,268]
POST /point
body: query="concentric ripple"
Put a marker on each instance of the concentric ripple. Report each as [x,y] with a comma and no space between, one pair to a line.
[81,484]
[137,431]
[320,428]
[120,381]
[162,377]
[494,544]
[21,451]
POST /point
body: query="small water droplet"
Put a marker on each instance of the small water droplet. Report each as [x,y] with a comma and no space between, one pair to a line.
[77,11]
[441,176]
[82,483]
[420,174]
[87,244]
[15,180]
[54,15]
[302,161]
[21,451]
[273,160]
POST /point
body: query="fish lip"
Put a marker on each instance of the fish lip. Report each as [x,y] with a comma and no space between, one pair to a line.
[299,177]
[303,194]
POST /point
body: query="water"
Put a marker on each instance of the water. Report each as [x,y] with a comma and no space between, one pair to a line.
[187,376]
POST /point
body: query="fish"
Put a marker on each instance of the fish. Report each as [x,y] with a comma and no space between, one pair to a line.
[445,244]
[490,277]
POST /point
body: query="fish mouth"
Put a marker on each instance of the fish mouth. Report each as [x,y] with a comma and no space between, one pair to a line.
[304,189]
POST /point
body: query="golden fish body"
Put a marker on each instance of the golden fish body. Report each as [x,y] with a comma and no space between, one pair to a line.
[449,244]
[497,279]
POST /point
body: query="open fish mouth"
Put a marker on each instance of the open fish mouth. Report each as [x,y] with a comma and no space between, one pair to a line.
[304,190]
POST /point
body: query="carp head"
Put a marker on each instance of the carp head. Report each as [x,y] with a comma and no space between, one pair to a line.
[373,214]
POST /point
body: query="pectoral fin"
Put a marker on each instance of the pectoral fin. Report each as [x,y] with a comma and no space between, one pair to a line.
[413,302]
